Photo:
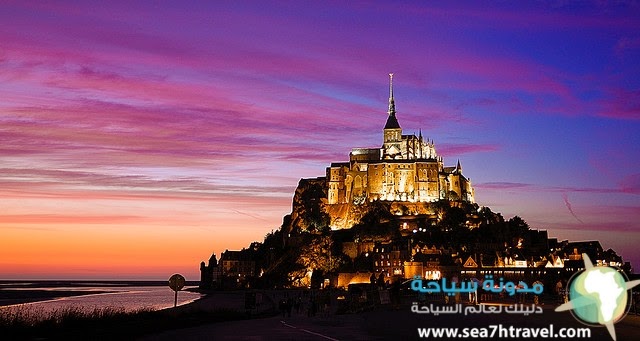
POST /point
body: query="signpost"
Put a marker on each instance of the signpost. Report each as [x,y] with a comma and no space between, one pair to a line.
[250,300]
[176,283]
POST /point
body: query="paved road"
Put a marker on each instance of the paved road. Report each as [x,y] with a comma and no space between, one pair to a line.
[275,328]
[382,324]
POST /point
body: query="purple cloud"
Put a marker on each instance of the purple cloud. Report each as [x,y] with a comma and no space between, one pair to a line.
[225,106]
[630,184]
[565,197]
[502,185]
[621,104]
[459,149]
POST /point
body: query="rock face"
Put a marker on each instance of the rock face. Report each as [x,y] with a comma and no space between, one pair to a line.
[308,209]
[311,212]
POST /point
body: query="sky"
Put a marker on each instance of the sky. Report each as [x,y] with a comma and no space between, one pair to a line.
[136,138]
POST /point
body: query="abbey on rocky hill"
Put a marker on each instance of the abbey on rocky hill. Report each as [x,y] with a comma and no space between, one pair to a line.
[392,213]
[405,168]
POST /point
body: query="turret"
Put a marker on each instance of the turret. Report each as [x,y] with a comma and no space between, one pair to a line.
[213,261]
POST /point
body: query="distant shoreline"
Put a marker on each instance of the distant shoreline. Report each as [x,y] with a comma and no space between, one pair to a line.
[8,284]
[9,297]
[24,292]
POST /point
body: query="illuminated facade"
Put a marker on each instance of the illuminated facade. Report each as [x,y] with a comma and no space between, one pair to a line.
[404,168]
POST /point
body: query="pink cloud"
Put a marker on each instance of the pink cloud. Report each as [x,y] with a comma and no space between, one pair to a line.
[625,44]
[227,108]
[233,196]
[621,104]
[502,185]
[630,184]
[54,180]
[57,219]
[622,226]
[548,17]
[602,217]
[459,149]
[490,71]
[526,187]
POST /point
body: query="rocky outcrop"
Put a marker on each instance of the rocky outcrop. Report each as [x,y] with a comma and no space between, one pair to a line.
[311,213]
[308,209]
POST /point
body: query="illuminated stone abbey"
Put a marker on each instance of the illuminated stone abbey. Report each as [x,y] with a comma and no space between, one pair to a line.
[392,213]
[406,168]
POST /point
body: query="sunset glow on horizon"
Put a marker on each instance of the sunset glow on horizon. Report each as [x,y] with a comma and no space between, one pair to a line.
[138,138]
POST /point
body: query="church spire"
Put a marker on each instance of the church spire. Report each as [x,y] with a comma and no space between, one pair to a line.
[392,121]
[392,104]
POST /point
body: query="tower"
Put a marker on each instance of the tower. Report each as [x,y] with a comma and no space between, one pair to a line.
[392,139]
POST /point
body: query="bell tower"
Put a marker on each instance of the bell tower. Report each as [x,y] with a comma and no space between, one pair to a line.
[392,133]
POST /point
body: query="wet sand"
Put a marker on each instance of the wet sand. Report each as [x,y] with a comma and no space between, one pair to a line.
[12,296]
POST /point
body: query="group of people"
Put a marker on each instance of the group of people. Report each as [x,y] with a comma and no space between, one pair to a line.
[380,282]
[561,292]
[313,304]
[287,304]
[394,288]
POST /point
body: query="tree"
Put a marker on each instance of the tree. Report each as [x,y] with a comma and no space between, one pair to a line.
[454,219]
[320,254]
[518,229]
[518,224]
[440,207]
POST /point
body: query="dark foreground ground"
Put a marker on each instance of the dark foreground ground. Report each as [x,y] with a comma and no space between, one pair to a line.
[386,323]
[222,316]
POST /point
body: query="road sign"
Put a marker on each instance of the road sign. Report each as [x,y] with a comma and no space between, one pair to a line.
[176,283]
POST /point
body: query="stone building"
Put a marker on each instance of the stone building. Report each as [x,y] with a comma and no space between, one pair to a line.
[405,168]
[232,270]
[237,264]
[389,258]
[210,274]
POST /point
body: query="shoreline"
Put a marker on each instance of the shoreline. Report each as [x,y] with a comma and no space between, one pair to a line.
[11,297]
[116,324]
[38,284]
[15,293]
